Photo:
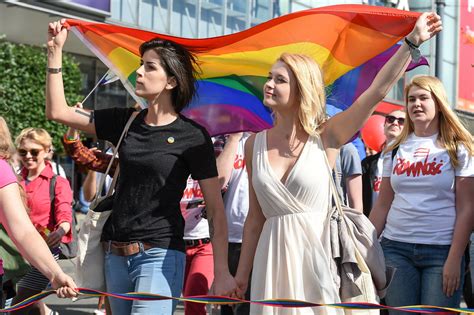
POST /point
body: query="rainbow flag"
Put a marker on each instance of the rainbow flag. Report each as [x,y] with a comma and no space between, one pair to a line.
[345,90]
[234,67]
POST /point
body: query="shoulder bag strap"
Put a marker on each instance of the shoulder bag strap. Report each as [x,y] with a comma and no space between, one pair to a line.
[394,152]
[102,181]
[332,188]
[52,196]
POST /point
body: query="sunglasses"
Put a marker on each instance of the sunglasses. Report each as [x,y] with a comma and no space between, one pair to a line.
[391,119]
[33,152]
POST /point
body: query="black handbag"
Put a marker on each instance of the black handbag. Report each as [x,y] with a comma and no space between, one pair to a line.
[68,250]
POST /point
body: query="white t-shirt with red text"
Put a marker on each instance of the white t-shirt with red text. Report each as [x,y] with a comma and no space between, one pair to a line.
[377,178]
[192,203]
[192,207]
[236,198]
[423,180]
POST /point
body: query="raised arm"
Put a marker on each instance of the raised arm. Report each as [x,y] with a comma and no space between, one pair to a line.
[56,105]
[340,128]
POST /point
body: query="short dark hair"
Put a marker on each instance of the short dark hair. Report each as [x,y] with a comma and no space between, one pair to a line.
[178,62]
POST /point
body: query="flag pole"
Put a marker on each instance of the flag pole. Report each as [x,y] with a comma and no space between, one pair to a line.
[93,89]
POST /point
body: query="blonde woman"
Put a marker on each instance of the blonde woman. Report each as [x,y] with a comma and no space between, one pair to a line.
[289,180]
[425,204]
[13,215]
[34,145]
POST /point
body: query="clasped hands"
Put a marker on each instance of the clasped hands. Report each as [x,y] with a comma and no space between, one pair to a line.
[226,285]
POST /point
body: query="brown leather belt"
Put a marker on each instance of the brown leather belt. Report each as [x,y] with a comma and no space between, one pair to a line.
[125,248]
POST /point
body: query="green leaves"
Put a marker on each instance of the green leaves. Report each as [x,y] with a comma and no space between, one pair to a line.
[22,88]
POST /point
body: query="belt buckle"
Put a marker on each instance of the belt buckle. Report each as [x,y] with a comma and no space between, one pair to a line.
[125,248]
[193,243]
[189,243]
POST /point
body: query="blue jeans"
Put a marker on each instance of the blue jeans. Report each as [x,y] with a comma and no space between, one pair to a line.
[419,275]
[155,270]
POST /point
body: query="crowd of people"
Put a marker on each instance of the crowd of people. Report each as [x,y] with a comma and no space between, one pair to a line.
[246,215]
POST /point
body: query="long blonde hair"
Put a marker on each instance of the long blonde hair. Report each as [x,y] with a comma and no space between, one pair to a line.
[312,98]
[452,133]
[6,145]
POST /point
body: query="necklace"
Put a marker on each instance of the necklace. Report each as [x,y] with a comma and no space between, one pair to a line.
[292,147]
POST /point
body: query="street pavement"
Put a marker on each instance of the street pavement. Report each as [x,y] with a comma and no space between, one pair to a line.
[81,306]
[88,306]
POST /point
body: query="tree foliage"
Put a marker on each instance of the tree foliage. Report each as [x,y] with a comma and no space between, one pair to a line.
[22,88]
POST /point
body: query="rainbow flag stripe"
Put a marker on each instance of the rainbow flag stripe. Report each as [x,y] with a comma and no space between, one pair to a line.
[223,300]
[340,38]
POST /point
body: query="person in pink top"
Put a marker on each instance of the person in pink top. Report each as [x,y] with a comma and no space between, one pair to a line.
[53,223]
[13,215]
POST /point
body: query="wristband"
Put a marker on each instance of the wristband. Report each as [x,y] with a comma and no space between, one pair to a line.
[70,139]
[411,44]
[414,50]
[54,70]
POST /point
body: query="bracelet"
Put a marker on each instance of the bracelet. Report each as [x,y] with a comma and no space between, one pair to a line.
[54,70]
[410,44]
[70,139]
[414,50]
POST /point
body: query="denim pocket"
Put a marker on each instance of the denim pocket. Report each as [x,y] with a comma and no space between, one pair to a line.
[385,241]
[155,252]
[437,254]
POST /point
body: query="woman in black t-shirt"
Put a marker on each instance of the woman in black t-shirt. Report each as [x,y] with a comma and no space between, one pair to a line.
[144,235]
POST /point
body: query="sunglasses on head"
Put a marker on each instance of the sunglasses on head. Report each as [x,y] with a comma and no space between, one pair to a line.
[33,152]
[391,119]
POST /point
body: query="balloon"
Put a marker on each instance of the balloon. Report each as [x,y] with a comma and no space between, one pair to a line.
[372,132]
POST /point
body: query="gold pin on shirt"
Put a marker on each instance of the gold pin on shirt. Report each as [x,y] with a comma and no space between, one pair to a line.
[170,140]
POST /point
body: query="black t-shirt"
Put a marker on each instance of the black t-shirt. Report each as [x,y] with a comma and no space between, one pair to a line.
[155,163]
